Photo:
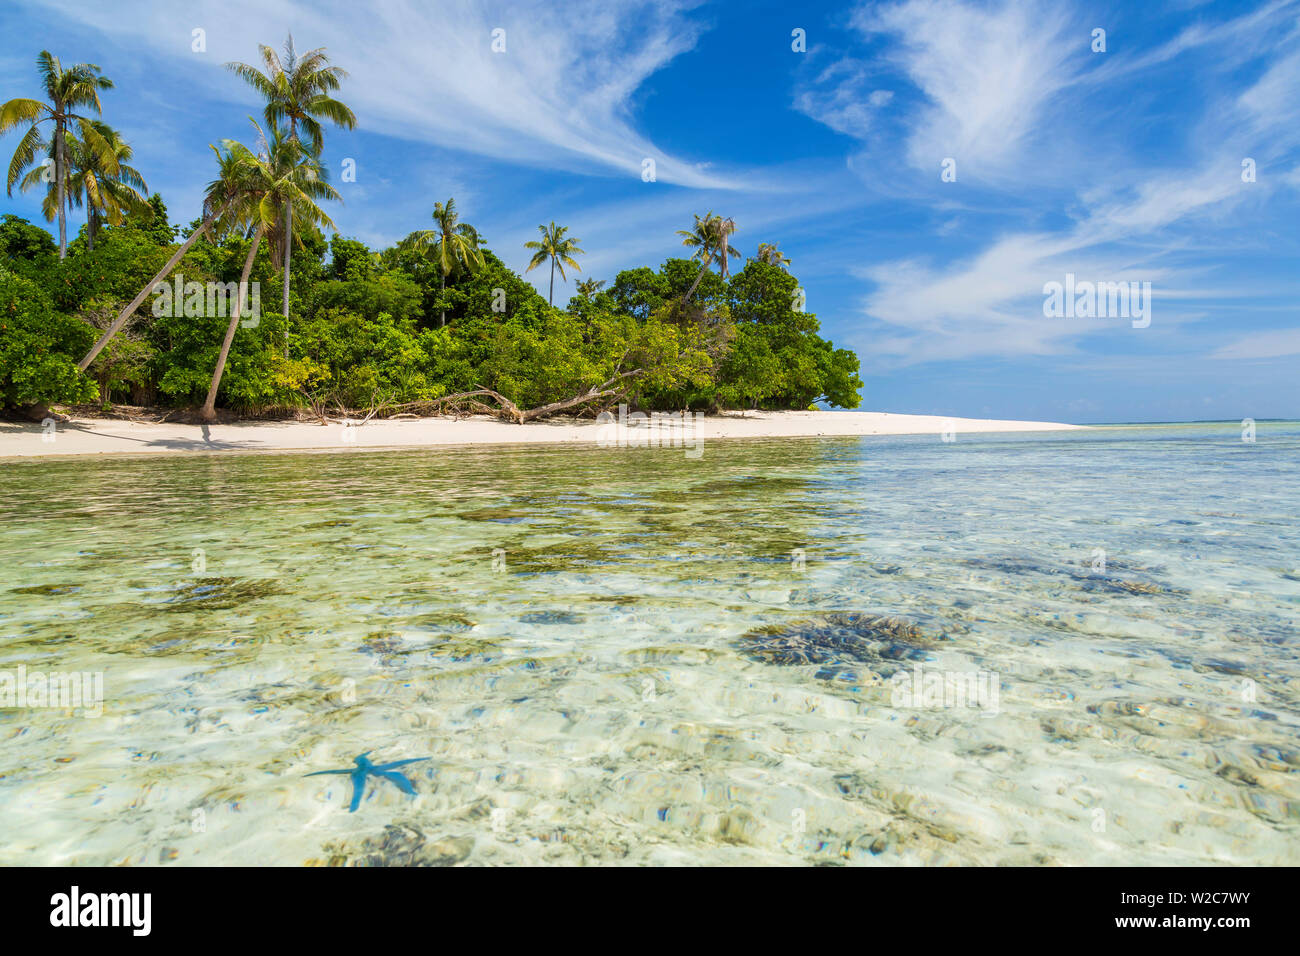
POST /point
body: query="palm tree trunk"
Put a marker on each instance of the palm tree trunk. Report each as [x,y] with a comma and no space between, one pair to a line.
[442,289]
[550,298]
[288,249]
[61,188]
[135,303]
[209,411]
[698,276]
[90,228]
[288,246]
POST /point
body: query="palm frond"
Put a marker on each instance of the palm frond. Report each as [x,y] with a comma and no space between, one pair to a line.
[47,64]
[19,111]
[28,148]
[254,78]
[99,147]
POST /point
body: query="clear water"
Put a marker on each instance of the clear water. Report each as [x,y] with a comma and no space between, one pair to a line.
[596,692]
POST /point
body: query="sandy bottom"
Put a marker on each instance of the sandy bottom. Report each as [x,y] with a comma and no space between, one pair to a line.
[94,436]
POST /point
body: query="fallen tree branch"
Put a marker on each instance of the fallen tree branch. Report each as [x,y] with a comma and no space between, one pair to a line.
[603,390]
[504,409]
[508,410]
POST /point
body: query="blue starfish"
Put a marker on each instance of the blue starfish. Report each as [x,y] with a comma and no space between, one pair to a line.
[365,768]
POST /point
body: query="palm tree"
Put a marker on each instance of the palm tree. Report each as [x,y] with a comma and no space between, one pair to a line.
[451,242]
[222,193]
[68,90]
[297,90]
[108,196]
[769,253]
[588,288]
[709,236]
[283,173]
[555,247]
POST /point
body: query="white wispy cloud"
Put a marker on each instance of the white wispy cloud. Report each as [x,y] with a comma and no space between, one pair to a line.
[1000,87]
[991,303]
[977,77]
[1234,40]
[986,72]
[1262,345]
[845,96]
[562,94]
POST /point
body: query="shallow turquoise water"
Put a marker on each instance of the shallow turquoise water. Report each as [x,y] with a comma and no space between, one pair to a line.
[629,656]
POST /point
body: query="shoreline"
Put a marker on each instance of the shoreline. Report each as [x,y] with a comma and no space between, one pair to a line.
[105,436]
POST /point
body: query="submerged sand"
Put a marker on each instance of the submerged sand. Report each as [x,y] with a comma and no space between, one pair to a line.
[97,436]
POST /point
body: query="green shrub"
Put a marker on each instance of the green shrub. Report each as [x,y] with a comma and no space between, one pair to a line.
[39,348]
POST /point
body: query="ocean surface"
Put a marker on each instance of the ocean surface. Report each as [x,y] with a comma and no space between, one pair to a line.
[1062,648]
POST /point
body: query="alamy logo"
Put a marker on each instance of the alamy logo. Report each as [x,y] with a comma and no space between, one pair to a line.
[1098,300]
[657,430]
[208,300]
[66,690]
[945,690]
[102,909]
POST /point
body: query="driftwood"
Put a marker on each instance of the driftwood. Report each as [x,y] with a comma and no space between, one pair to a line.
[346,418]
[317,404]
[507,410]
[475,401]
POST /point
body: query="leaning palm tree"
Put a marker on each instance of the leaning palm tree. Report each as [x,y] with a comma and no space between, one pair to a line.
[450,243]
[223,193]
[68,90]
[558,249]
[297,90]
[710,238]
[108,196]
[769,253]
[281,173]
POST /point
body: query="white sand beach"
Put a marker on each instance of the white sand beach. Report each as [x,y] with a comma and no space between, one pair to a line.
[99,436]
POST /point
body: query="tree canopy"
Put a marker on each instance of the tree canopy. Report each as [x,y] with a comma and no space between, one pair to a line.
[432,322]
[369,330]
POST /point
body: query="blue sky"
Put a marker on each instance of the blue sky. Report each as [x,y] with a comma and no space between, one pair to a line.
[1117,166]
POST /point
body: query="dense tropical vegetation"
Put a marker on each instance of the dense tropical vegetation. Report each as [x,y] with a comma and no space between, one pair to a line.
[434,322]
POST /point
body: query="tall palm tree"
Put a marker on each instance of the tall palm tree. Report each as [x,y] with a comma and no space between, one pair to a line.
[558,249]
[769,253]
[68,91]
[223,193]
[710,238]
[282,173]
[108,196]
[297,90]
[451,242]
